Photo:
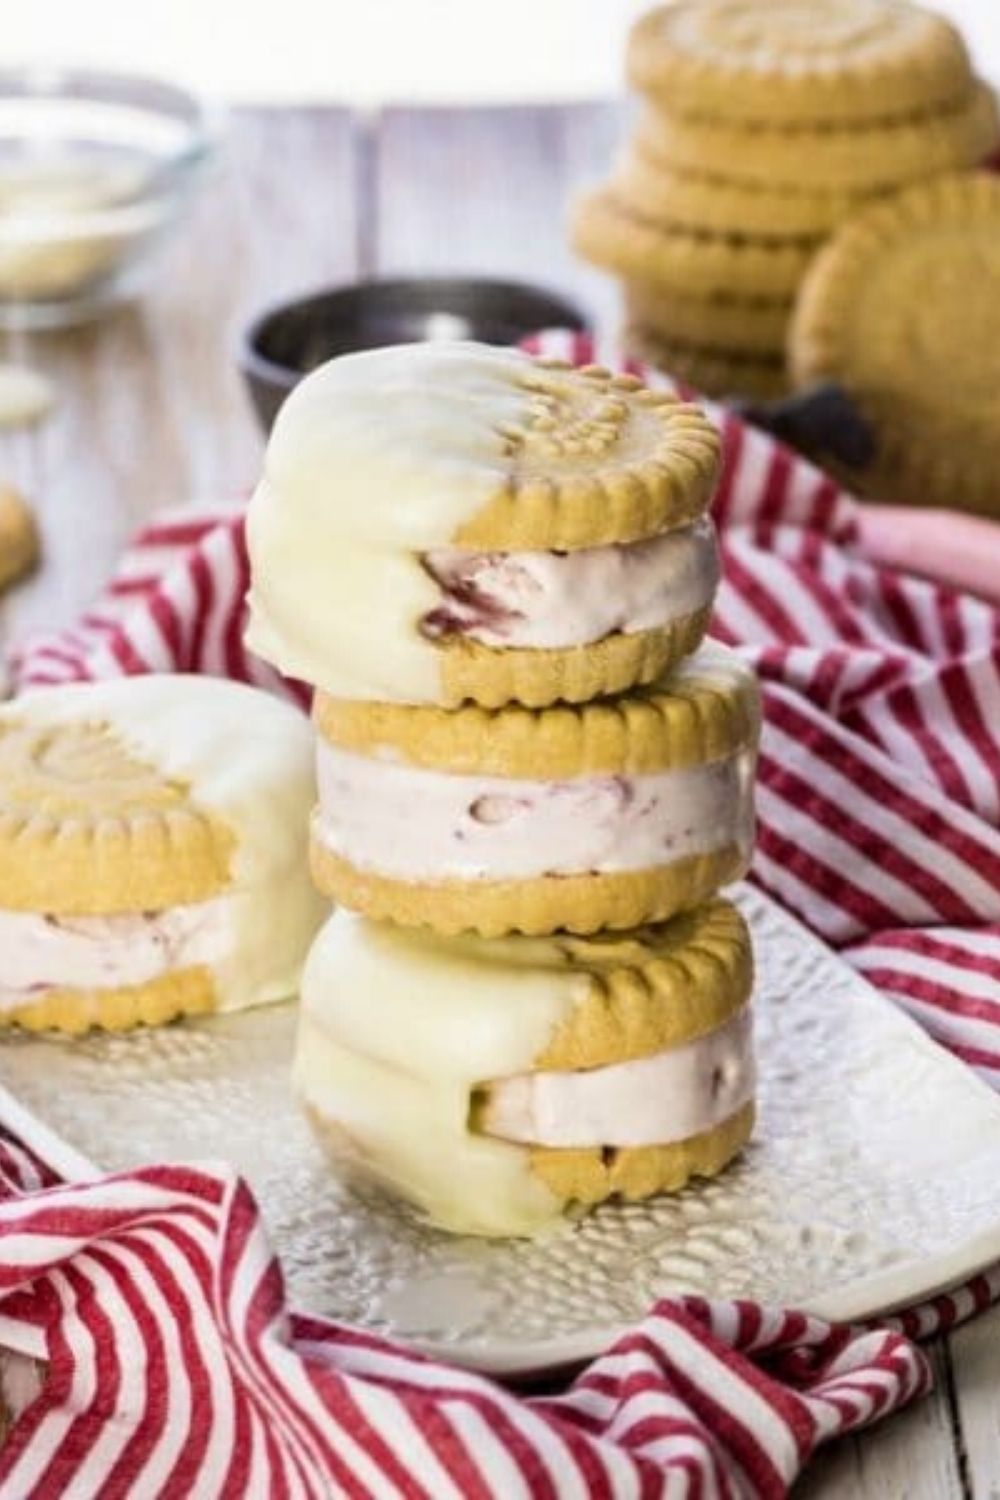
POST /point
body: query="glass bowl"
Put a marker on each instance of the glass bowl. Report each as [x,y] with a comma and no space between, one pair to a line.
[95,169]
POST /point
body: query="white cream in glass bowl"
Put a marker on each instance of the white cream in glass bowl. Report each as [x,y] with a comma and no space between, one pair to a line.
[95,169]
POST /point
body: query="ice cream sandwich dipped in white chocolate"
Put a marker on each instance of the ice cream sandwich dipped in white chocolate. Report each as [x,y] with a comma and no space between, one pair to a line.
[440,523]
[152,852]
[497,1083]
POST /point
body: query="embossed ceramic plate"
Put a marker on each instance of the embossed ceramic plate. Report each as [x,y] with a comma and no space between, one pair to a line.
[872,1180]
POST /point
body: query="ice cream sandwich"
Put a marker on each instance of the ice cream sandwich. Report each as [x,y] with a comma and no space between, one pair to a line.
[440,523]
[497,1083]
[606,814]
[152,852]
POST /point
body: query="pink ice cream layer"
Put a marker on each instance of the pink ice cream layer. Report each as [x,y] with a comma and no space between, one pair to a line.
[560,599]
[42,952]
[649,1101]
[410,823]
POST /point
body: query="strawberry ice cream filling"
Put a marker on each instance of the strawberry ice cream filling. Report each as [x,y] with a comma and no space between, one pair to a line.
[649,1101]
[41,952]
[557,600]
[410,823]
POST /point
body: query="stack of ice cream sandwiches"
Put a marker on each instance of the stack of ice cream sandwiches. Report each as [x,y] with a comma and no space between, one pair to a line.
[534,777]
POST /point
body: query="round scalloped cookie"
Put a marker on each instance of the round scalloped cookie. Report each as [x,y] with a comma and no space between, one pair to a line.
[703,711]
[184,992]
[87,826]
[536,677]
[782,62]
[713,205]
[591,1176]
[537,904]
[862,159]
[610,235]
[902,309]
[730,324]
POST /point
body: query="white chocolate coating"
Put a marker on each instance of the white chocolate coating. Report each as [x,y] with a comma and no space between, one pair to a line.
[247,759]
[396,447]
[396,1028]
[409,1133]
[81,953]
[647,1101]
[376,460]
[413,823]
[399,1030]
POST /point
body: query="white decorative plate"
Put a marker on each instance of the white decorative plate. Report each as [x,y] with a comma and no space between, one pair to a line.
[872,1180]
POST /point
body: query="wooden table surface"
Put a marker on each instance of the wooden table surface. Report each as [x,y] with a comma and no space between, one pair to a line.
[151,412]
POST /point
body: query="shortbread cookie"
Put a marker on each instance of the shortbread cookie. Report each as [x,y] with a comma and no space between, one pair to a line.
[861,159]
[447,522]
[607,815]
[903,310]
[496,1084]
[798,62]
[152,852]
[18,538]
[713,372]
[730,324]
[712,205]
[702,265]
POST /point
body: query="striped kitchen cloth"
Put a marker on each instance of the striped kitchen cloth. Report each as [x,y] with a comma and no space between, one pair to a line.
[174,1367]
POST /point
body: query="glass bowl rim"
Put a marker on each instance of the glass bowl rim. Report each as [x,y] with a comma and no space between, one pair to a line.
[202,118]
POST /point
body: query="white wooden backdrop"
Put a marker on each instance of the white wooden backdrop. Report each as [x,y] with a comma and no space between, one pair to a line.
[372,51]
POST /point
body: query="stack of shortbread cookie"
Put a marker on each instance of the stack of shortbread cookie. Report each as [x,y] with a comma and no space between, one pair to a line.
[765,124]
[534,777]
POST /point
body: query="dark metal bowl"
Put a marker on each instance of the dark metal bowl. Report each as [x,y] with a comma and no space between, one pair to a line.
[287,341]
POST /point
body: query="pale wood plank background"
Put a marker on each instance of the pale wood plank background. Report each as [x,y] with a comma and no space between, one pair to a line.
[151,412]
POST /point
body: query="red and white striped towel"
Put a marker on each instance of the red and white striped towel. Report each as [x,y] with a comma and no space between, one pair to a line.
[175,1368]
